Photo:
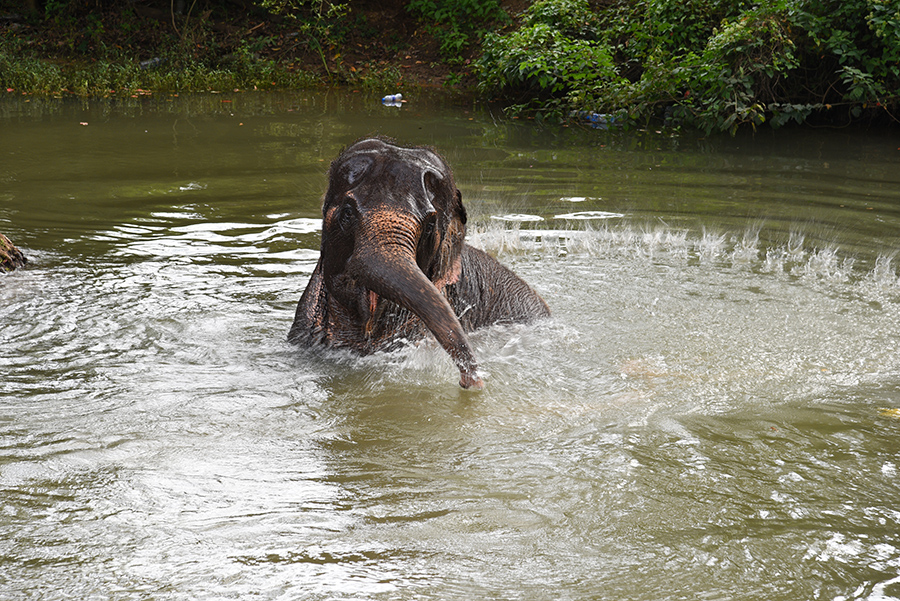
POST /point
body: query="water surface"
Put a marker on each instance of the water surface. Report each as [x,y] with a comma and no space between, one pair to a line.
[712,412]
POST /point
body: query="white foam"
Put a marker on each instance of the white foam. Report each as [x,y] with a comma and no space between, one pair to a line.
[586,215]
[517,217]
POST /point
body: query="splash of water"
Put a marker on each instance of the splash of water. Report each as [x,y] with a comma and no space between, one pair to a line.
[743,250]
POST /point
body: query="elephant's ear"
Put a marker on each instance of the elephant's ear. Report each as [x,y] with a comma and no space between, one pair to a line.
[460,208]
[456,230]
[452,243]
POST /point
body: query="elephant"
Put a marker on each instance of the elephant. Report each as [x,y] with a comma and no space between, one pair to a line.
[10,256]
[394,264]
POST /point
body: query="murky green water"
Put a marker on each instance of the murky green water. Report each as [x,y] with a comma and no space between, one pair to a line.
[713,412]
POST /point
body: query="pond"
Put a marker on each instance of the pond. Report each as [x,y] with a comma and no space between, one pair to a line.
[713,410]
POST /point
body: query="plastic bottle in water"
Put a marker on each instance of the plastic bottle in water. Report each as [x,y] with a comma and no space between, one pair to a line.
[596,120]
[392,99]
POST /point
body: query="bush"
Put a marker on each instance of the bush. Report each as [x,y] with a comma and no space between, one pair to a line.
[798,59]
[710,64]
[554,54]
[457,23]
[317,21]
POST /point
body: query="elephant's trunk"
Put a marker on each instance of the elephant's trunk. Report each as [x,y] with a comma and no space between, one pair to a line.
[391,272]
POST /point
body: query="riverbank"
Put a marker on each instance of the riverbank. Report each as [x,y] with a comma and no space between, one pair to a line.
[632,63]
[148,48]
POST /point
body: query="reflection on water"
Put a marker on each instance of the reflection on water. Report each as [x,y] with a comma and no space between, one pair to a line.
[711,411]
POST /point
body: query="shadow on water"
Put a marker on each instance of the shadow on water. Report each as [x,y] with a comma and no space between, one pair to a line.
[710,412]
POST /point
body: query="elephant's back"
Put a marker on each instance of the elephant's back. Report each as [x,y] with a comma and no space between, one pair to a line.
[490,293]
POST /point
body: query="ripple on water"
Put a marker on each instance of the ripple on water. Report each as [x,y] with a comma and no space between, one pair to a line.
[701,410]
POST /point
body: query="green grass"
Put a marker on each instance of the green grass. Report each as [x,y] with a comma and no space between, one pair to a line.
[121,75]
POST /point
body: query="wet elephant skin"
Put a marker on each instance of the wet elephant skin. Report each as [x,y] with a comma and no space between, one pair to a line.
[394,264]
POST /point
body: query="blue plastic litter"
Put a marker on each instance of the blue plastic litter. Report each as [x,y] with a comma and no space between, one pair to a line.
[597,120]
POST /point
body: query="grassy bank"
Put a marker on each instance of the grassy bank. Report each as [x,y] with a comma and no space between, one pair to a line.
[88,49]
[122,75]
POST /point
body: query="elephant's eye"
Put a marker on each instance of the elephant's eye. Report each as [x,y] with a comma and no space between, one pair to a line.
[346,217]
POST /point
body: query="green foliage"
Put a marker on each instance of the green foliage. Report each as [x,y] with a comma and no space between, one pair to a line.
[19,71]
[453,80]
[713,64]
[884,21]
[542,60]
[373,76]
[318,18]
[664,27]
[572,18]
[457,23]
[59,11]
[318,21]
[549,55]
[717,65]
[741,70]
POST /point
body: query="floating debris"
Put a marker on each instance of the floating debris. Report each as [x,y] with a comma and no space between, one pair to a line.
[393,100]
[597,120]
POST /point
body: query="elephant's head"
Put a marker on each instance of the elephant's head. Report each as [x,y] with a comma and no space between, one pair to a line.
[393,230]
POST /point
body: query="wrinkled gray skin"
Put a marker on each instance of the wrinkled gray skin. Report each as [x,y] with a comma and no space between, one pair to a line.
[394,263]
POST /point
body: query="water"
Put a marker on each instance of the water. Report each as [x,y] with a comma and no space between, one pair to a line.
[712,412]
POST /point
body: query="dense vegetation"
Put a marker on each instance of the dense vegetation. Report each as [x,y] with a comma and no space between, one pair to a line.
[713,64]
